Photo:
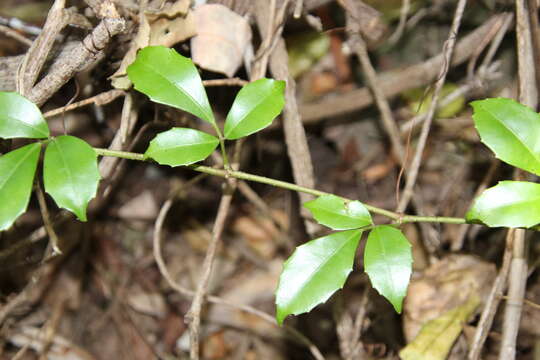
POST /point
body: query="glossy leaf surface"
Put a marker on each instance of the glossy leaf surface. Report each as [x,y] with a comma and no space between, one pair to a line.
[508,204]
[20,118]
[510,130]
[70,174]
[314,272]
[181,146]
[334,212]
[255,107]
[17,170]
[388,263]
[169,78]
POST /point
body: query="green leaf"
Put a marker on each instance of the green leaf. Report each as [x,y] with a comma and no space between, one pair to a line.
[169,78]
[334,212]
[510,130]
[17,170]
[508,204]
[255,107]
[388,263]
[20,118]
[181,146]
[314,272]
[70,174]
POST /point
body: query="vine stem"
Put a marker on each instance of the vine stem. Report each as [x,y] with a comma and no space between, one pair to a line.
[288,186]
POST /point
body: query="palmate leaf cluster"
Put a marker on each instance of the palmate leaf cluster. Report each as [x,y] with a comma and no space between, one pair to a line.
[70,173]
[316,269]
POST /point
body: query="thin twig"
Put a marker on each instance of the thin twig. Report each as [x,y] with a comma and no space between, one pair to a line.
[359,46]
[404,12]
[15,35]
[194,314]
[528,95]
[394,82]
[225,82]
[99,99]
[275,25]
[214,299]
[412,174]
[47,221]
[457,244]
[492,303]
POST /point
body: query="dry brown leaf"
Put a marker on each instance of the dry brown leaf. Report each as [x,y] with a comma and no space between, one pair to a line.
[222,39]
[141,207]
[167,27]
[445,285]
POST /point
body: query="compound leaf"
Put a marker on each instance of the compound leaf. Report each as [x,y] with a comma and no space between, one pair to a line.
[388,263]
[255,107]
[17,170]
[181,146]
[70,174]
[334,212]
[169,78]
[508,204]
[20,118]
[314,272]
[511,130]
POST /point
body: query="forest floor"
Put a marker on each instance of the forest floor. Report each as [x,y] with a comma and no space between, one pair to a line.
[345,130]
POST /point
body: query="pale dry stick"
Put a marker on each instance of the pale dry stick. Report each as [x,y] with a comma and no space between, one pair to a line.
[213,299]
[256,200]
[484,74]
[17,24]
[85,53]
[507,21]
[457,244]
[358,323]
[448,50]
[494,33]
[15,35]
[194,314]
[403,13]
[36,55]
[526,302]
[99,99]
[298,9]
[461,91]
[528,96]
[295,136]
[359,46]
[125,117]
[492,303]
[54,241]
[225,82]
[259,69]
[485,71]
[394,82]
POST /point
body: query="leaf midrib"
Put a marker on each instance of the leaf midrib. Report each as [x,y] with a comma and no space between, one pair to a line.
[525,145]
[185,93]
[35,128]
[15,168]
[256,105]
[70,176]
[301,288]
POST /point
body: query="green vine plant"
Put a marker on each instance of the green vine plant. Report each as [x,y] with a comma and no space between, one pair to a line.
[316,269]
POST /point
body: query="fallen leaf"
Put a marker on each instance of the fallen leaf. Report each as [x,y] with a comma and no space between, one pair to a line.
[222,39]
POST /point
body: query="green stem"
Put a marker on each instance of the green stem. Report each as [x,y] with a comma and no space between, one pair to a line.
[222,147]
[400,218]
[120,154]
